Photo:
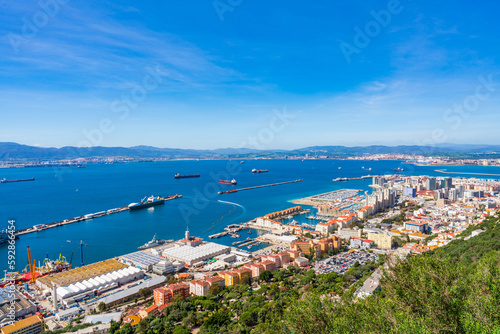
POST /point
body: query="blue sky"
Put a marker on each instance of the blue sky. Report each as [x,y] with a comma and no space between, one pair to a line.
[223,71]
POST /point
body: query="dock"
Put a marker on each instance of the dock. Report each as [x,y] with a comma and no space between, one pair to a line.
[255,187]
[42,227]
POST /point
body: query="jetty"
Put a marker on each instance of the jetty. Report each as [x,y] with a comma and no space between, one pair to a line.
[262,186]
[41,227]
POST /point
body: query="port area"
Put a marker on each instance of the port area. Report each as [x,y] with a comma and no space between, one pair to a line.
[353,178]
[255,187]
[41,227]
[342,198]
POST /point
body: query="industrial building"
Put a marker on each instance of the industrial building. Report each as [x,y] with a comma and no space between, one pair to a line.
[22,305]
[192,255]
[80,283]
[133,292]
[141,259]
[76,275]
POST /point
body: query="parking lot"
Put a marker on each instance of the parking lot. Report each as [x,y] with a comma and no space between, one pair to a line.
[340,263]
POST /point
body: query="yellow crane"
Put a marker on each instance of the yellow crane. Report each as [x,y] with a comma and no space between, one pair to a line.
[32,264]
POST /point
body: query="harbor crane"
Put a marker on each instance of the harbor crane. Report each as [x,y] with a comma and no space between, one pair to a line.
[32,265]
[81,252]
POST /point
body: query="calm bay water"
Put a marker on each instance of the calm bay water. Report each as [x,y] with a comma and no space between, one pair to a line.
[58,194]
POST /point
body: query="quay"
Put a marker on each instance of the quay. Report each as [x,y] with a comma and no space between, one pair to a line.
[42,227]
[255,187]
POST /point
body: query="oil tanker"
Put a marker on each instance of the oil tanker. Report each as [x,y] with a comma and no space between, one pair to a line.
[4,180]
[187,176]
[259,170]
[228,182]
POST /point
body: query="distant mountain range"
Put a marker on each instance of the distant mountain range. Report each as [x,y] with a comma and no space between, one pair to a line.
[9,150]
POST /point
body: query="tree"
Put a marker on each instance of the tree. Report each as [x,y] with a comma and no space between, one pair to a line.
[101,307]
[114,326]
[145,292]
[215,289]
[246,281]
[181,330]
[265,276]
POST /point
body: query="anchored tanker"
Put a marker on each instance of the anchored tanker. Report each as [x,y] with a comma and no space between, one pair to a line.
[228,182]
[187,176]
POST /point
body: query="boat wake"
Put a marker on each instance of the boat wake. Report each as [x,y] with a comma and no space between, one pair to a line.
[241,206]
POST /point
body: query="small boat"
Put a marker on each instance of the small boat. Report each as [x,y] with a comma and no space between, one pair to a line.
[242,162]
[340,167]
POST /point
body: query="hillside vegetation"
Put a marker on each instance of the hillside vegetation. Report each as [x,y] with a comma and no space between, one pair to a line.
[455,289]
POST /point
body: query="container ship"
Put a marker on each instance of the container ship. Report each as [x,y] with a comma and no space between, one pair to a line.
[4,180]
[187,176]
[146,203]
[231,183]
[259,170]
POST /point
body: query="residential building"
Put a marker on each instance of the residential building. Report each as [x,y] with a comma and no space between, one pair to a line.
[30,325]
[168,293]
[381,239]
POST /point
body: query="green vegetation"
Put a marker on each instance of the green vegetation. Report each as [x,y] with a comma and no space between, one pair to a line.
[453,289]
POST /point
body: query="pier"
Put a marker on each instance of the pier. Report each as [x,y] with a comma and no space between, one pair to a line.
[42,227]
[255,187]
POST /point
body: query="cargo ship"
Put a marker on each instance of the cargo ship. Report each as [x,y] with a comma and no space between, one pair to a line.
[187,176]
[146,203]
[232,182]
[259,170]
[4,180]
[366,168]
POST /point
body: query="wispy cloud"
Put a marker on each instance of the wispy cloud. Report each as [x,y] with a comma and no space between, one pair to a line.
[102,52]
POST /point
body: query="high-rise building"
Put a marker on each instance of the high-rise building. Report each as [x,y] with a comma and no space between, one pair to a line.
[431,183]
